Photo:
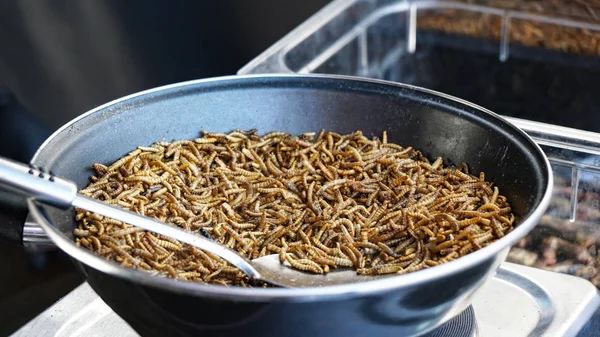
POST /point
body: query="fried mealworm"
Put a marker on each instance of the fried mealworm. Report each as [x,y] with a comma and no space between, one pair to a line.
[321,202]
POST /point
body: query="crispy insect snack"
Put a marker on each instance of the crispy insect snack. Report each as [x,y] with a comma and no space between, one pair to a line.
[321,202]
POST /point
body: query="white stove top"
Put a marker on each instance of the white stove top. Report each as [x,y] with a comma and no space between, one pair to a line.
[519,301]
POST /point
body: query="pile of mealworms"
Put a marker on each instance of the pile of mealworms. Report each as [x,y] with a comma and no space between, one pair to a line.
[319,201]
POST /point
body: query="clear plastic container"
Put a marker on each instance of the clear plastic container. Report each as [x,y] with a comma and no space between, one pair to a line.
[526,63]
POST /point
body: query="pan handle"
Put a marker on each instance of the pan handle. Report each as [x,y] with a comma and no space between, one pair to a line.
[35,238]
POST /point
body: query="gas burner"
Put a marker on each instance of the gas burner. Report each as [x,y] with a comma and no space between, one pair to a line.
[463,325]
[519,301]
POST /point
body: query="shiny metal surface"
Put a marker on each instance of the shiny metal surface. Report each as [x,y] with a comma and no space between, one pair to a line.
[32,181]
[35,238]
[310,102]
[510,304]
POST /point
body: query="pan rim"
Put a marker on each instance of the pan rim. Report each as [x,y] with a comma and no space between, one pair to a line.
[300,294]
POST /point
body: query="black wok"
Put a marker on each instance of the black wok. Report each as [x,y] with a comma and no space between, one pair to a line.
[404,305]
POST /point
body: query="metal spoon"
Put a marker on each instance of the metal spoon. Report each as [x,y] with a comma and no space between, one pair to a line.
[51,190]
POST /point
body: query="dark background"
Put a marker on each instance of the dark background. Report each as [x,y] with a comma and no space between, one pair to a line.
[60,58]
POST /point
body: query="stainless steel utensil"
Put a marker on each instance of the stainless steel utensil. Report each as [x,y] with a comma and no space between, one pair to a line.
[35,183]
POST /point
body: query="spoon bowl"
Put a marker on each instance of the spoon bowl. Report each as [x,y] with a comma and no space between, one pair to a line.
[272,271]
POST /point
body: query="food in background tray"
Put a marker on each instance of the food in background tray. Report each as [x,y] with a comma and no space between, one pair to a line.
[320,202]
[559,245]
[522,31]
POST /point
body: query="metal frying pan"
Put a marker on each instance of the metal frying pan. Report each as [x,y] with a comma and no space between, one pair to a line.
[405,305]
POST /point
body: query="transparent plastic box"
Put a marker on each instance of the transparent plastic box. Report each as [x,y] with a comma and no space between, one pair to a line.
[534,67]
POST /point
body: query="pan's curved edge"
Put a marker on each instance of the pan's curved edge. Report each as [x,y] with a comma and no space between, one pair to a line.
[306,294]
